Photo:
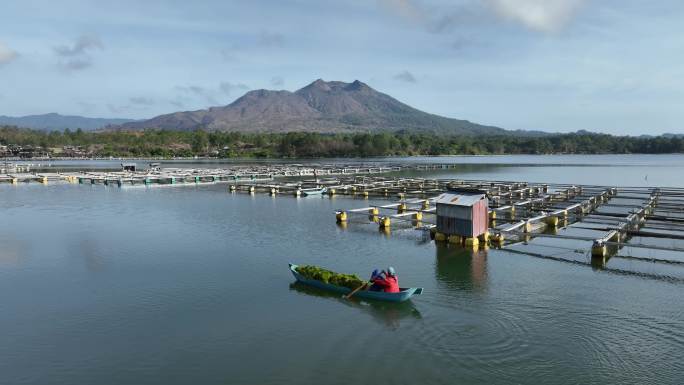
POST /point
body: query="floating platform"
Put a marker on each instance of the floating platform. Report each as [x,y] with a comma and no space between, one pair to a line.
[520,212]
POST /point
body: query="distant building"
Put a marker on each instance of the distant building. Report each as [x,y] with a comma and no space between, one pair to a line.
[73,152]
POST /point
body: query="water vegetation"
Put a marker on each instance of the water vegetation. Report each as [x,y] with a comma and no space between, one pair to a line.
[350,281]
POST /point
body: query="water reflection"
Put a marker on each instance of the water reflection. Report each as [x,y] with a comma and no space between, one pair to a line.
[88,249]
[461,268]
[386,313]
[10,253]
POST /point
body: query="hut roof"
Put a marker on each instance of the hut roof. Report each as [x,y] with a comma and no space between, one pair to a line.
[459,199]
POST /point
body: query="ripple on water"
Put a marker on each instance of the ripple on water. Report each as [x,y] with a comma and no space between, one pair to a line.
[473,341]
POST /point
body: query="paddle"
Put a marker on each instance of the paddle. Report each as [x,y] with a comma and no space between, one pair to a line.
[355,290]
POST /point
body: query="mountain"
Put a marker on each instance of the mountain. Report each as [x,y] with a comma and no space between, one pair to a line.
[53,121]
[319,107]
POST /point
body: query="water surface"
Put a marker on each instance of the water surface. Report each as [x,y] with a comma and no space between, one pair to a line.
[189,284]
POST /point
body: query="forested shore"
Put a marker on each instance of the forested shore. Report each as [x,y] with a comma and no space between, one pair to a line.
[168,144]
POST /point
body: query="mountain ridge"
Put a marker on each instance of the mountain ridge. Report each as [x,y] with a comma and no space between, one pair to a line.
[325,107]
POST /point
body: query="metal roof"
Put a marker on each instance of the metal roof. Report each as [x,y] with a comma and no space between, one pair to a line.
[459,199]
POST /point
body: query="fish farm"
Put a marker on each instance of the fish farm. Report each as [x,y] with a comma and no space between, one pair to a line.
[612,222]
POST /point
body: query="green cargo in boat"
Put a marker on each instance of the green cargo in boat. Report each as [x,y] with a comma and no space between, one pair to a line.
[345,283]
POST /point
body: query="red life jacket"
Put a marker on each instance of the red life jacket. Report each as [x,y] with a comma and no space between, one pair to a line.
[389,284]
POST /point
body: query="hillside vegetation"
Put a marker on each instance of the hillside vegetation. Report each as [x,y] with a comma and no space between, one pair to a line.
[164,143]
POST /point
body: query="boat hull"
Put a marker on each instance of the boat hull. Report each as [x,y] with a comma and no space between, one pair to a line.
[404,294]
[312,192]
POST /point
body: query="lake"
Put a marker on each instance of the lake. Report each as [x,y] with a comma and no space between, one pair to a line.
[190,284]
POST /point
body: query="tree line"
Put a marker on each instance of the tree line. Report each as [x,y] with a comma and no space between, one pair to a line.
[163,143]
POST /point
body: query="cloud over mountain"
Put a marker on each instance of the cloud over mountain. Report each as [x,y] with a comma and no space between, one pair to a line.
[539,15]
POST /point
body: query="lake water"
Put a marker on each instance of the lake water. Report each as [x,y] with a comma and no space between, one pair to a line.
[189,284]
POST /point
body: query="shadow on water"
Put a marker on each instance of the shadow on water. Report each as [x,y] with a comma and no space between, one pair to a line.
[460,268]
[386,313]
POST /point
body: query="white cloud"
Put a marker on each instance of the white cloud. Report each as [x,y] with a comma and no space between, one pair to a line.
[539,15]
[6,54]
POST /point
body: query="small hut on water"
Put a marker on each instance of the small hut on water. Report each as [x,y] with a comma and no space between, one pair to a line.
[462,213]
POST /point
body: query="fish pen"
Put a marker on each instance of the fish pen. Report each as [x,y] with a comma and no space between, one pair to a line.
[130,175]
[637,224]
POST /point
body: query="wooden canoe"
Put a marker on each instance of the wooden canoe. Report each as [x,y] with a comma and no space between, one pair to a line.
[403,294]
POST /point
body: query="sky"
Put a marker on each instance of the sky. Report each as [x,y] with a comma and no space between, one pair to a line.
[613,66]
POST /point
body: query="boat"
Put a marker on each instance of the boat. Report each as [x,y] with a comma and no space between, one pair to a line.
[403,294]
[313,191]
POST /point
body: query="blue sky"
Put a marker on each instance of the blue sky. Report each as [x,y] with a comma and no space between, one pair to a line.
[556,65]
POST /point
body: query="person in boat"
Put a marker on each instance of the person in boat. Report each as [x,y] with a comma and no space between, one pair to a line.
[386,281]
[376,274]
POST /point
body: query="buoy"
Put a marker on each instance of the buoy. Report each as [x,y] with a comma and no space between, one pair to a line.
[498,238]
[471,242]
[374,211]
[341,216]
[598,250]
[44,180]
[273,191]
[425,205]
[492,215]
[454,239]
[298,193]
[552,221]
[365,194]
[401,208]
[251,189]
[385,222]
[440,237]
[331,191]
[15,180]
[484,237]
[232,187]
[197,179]
[400,195]
[528,227]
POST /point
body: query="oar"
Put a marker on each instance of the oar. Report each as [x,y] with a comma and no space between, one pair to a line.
[355,290]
